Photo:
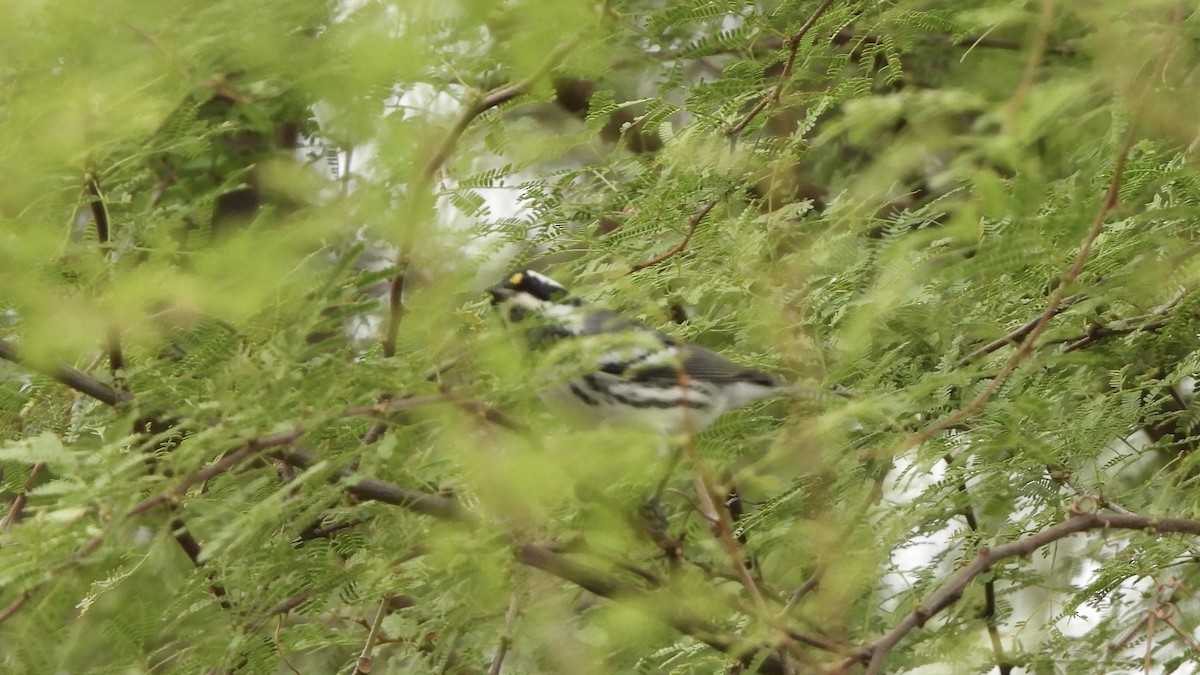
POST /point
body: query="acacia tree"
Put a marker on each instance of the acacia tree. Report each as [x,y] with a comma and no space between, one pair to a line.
[257,416]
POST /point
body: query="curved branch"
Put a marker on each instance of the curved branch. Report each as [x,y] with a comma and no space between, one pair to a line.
[876,652]
[679,248]
[793,44]
[440,155]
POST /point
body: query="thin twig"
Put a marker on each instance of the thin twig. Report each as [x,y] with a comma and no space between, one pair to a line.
[365,663]
[392,406]
[1016,335]
[506,637]
[15,606]
[18,502]
[282,607]
[395,303]
[678,248]
[232,459]
[1033,62]
[1003,665]
[1097,333]
[279,645]
[192,549]
[716,511]
[793,44]
[373,489]
[860,511]
[478,106]
[218,467]
[116,360]
[440,155]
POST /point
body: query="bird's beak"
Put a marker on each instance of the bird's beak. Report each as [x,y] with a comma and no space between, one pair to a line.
[500,294]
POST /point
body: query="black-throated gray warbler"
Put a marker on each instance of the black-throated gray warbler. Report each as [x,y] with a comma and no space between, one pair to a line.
[625,371]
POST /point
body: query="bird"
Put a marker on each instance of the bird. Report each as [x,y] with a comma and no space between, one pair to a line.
[612,369]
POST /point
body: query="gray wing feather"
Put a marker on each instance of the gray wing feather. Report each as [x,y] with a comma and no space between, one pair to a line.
[701,364]
[696,361]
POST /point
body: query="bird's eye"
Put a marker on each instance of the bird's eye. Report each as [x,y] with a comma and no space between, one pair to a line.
[516,279]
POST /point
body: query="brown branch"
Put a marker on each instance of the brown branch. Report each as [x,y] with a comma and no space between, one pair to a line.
[18,502]
[390,407]
[192,549]
[1016,335]
[1146,322]
[379,428]
[372,489]
[506,638]
[478,106]
[1033,62]
[1003,665]
[687,238]
[445,147]
[860,512]
[15,606]
[99,211]
[1152,321]
[116,360]
[1098,333]
[218,467]
[769,660]
[875,654]
[395,304]
[284,607]
[716,510]
[492,415]
[365,663]
[793,44]
[73,378]
[721,524]
[1056,299]
[279,646]
[232,459]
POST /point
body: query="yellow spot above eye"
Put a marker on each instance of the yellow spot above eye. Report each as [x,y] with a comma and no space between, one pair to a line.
[515,280]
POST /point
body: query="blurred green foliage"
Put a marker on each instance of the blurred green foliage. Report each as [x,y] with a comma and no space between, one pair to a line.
[223,194]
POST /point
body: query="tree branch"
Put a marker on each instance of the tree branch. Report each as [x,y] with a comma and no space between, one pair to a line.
[72,377]
[192,549]
[506,638]
[687,238]
[1003,665]
[1052,308]
[769,661]
[876,653]
[116,360]
[1017,335]
[365,664]
[18,502]
[218,467]
[793,44]
[372,489]
[437,159]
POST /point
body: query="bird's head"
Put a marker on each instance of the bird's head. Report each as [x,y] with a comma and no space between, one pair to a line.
[524,293]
